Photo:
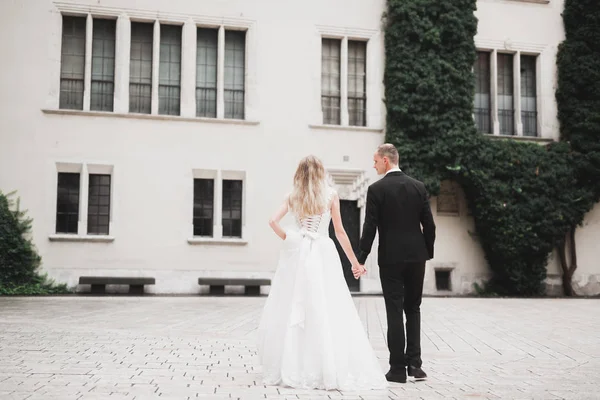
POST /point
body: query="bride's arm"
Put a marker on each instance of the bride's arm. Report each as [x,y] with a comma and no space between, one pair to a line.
[274,221]
[340,232]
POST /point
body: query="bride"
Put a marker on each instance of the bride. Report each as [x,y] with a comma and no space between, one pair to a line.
[310,335]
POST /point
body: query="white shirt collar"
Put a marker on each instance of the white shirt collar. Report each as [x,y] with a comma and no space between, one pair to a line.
[394,170]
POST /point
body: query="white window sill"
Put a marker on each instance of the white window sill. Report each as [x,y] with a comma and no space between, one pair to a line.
[151,116]
[533,1]
[65,237]
[521,138]
[209,240]
[346,128]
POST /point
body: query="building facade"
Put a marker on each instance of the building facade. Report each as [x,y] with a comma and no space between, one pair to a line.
[155,139]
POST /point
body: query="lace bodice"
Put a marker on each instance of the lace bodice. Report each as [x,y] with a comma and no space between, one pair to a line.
[318,224]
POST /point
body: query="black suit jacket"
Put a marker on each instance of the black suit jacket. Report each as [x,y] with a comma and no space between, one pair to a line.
[398,206]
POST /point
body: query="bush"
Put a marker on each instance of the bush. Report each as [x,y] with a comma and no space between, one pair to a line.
[19,260]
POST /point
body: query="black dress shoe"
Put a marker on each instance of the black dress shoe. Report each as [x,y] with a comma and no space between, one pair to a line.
[398,376]
[416,372]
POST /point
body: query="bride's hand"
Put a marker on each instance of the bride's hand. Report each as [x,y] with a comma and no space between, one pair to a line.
[358,270]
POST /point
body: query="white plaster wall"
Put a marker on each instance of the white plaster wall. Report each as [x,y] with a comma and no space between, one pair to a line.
[532,28]
[153,159]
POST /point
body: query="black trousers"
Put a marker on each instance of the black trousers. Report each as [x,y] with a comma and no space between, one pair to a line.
[402,286]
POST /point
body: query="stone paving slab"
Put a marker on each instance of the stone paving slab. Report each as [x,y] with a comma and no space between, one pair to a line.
[176,348]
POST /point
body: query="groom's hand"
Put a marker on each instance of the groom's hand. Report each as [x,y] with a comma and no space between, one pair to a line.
[358,270]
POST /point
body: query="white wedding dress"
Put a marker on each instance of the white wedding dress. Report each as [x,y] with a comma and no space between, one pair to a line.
[310,335]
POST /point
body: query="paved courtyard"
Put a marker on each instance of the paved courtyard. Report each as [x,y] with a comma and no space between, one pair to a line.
[138,348]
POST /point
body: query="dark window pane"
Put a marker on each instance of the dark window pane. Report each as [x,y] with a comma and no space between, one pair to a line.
[330,80]
[67,202]
[99,194]
[528,95]
[442,280]
[72,63]
[357,83]
[103,65]
[169,82]
[203,207]
[232,212]
[235,71]
[206,72]
[140,68]
[482,106]
[506,112]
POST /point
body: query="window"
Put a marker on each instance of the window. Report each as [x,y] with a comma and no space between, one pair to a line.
[357,82]
[203,207]
[235,65]
[140,68]
[98,204]
[442,279]
[528,95]
[516,112]
[72,69]
[206,73]
[92,77]
[482,107]
[232,208]
[83,186]
[330,81]
[169,82]
[72,63]
[103,65]
[218,203]
[67,202]
[506,112]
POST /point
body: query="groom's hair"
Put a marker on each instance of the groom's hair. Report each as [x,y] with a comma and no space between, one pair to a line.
[389,150]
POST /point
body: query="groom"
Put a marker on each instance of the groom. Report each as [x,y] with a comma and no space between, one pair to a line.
[398,207]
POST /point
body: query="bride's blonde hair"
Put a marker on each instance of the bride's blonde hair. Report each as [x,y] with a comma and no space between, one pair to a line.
[309,194]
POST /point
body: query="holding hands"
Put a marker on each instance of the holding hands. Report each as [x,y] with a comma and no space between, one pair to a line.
[358,270]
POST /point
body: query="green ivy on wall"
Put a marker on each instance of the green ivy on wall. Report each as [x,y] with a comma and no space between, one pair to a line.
[524,197]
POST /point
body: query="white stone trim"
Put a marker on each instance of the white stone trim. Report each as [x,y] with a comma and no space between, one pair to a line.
[65,237]
[344,114]
[536,139]
[239,175]
[150,15]
[374,85]
[156,68]
[337,32]
[122,63]
[532,1]
[87,79]
[149,116]
[350,183]
[539,75]
[509,46]
[494,91]
[188,69]
[221,73]
[104,169]
[346,128]
[69,167]
[226,241]
[204,173]
[517,93]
